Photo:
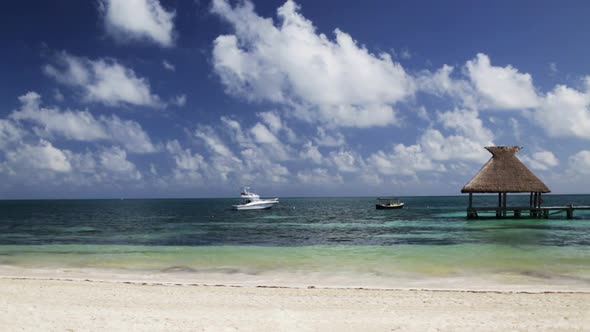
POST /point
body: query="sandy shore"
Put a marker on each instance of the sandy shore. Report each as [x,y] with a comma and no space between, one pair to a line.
[31,304]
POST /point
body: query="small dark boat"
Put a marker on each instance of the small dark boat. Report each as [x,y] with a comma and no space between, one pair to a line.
[389,203]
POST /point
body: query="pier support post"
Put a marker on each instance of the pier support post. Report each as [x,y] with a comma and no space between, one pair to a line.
[534,211]
[499,209]
[471,212]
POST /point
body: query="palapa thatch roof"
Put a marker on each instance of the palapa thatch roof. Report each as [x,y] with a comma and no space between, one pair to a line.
[504,172]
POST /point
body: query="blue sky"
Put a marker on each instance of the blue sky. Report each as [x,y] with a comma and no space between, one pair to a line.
[148,98]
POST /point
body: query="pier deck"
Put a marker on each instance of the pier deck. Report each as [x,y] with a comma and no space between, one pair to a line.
[525,211]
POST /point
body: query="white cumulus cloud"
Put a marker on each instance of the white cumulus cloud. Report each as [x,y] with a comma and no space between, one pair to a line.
[114,159]
[168,66]
[103,80]
[188,164]
[467,124]
[330,138]
[565,112]
[318,177]
[72,125]
[441,83]
[43,156]
[213,142]
[434,152]
[482,86]
[541,160]
[275,124]
[337,82]
[10,133]
[402,160]
[128,133]
[501,87]
[579,163]
[179,100]
[139,20]
[452,147]
[311,152]
[345,161]
[82,125]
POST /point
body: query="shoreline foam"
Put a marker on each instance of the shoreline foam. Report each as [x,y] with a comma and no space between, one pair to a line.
[475,283]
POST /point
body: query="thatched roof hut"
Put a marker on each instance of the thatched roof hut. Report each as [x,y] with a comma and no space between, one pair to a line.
[504,173]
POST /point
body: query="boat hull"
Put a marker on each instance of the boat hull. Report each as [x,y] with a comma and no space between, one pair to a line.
[388,207]
[258,205]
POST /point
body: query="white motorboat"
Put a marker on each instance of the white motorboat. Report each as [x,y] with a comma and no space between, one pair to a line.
[251,201]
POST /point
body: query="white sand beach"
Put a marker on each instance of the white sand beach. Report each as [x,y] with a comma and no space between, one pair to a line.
[41,304]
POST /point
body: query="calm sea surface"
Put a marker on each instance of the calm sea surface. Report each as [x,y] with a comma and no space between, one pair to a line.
[430,237]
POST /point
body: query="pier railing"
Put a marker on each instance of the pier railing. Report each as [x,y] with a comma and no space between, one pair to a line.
[524,211]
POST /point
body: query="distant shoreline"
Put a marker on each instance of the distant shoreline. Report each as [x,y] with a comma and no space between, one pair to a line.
[266,195]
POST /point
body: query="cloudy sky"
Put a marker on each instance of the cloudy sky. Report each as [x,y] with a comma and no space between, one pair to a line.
[179,98]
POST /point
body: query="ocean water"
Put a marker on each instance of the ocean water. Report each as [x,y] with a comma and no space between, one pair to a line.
[430,238]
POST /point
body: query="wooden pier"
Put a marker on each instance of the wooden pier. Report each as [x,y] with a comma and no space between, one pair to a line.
[504,173]
[524,211]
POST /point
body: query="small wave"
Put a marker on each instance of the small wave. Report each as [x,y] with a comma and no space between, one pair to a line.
[276,217]
[178,268]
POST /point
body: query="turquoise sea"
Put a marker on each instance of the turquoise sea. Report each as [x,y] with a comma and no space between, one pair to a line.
[430,238]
